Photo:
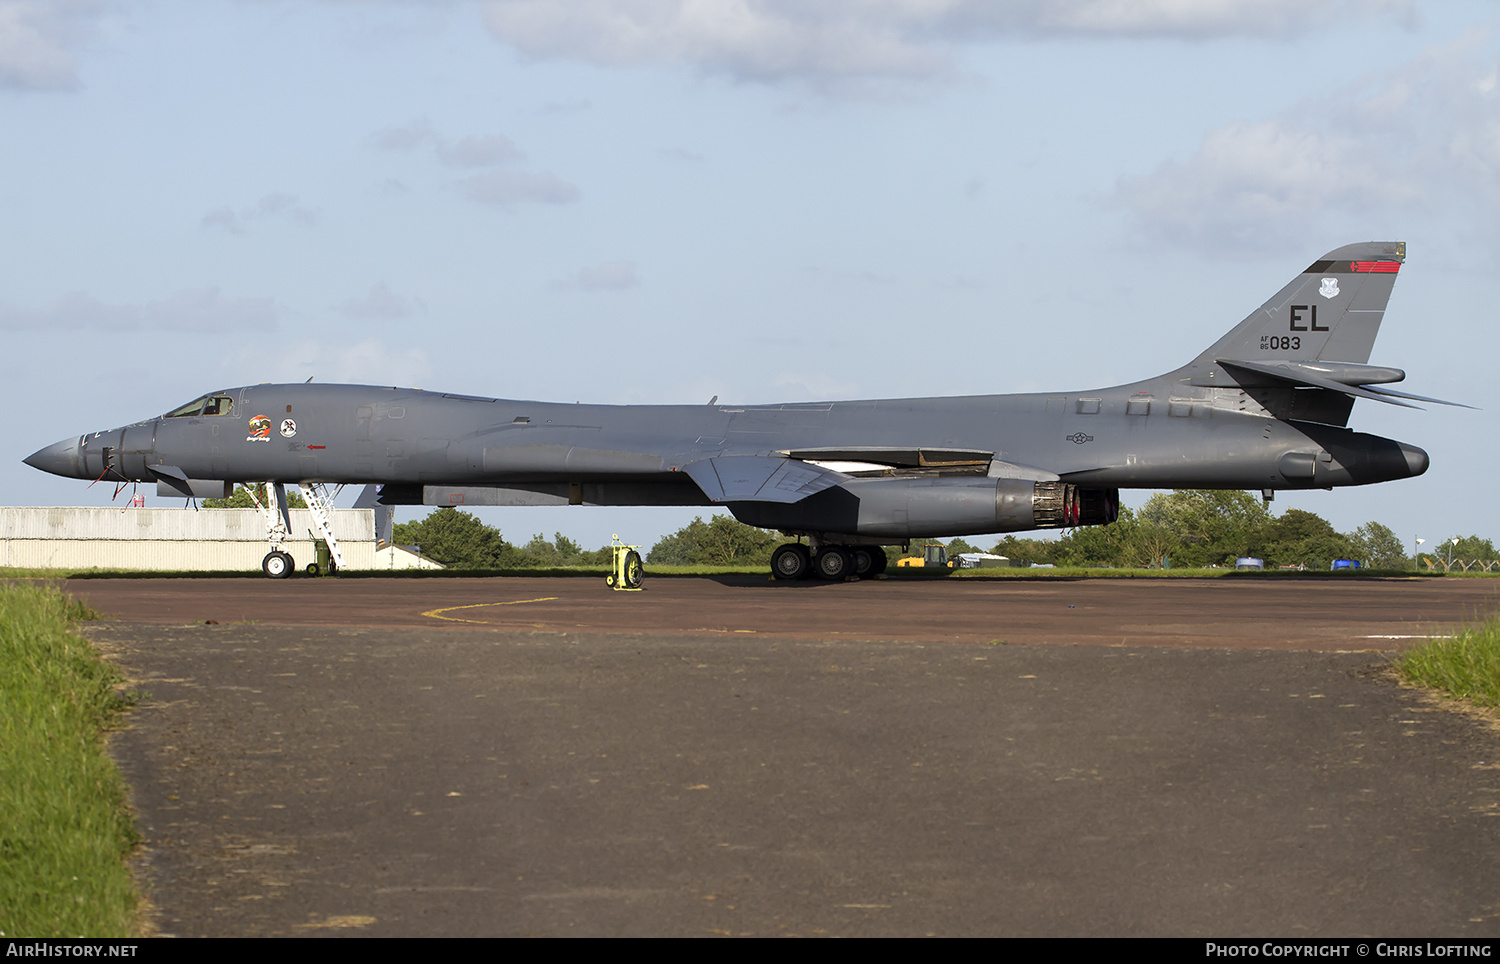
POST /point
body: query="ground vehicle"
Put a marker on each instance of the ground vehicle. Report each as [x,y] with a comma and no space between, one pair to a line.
[934,555]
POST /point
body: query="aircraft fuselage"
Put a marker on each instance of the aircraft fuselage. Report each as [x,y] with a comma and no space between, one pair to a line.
[1133,436]
[1265,407]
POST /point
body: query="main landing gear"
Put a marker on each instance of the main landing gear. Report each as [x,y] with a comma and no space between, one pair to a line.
[828,561]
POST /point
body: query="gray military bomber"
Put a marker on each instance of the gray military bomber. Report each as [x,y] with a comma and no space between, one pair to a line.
[1264,408]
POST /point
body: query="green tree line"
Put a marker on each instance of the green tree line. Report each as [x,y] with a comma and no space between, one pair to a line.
[1200,528]
[240,499]
[1181,529]
[460,540]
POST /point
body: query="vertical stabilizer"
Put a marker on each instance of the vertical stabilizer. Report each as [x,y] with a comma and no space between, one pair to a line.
[1330,313]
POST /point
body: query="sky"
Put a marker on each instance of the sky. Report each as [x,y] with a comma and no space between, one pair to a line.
[622,201]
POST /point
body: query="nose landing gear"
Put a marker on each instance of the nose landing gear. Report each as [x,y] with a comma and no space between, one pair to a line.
[277,564]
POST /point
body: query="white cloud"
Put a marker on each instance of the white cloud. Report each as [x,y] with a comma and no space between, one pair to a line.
[194,309]
[479,152]
[368,362]
[506,189]
[497,187]
[1182,19]
[1262,182]
[741,38]
[468,152]
[609,276]
[1424,137]
[275,205]
[417,133]
[382,302]
[38,41]
[838,41]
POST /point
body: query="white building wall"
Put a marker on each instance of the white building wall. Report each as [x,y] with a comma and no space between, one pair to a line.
[217,525]
[172,539]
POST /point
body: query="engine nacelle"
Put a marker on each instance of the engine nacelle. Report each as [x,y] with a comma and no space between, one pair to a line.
[904,508]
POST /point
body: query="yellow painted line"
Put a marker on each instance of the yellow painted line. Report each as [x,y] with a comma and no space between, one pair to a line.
[438,613]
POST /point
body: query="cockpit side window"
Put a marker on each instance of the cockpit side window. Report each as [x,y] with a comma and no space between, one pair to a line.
[195,407]
[207,405]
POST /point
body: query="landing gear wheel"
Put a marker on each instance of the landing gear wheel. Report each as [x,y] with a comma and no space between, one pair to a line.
[864,561]
[277,564]
[633,570]
[834,563]
[791,561]
[878,562]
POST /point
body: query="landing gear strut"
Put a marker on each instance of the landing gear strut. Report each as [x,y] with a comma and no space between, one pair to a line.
[278,562]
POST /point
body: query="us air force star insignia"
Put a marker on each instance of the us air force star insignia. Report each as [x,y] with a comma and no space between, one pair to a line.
[1078,438]
[288,428]
[1330,288]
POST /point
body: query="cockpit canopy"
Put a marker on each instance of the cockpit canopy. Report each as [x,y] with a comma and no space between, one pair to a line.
[219,404]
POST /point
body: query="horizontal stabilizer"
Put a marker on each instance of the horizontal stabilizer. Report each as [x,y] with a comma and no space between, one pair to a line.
[1346,373]
[1305,375]
[1421,398]
[760,478]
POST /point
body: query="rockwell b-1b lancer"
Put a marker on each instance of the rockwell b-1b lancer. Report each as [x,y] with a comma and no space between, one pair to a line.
[1265,407]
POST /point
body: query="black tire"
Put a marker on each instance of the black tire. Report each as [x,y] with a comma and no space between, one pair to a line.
[878,562]
[609,580]
[312,569]
[634,570]
[791,562]
[864,561]
[834,563]
[277,565]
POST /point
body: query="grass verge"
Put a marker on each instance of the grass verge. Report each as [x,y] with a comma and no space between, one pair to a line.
[65,828]
[1017,572]
[1465,666]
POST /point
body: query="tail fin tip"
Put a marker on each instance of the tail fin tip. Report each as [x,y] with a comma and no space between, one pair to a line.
[1329,312]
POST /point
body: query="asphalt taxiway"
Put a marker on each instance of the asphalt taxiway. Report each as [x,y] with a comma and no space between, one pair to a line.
[546,757]
[1265,613]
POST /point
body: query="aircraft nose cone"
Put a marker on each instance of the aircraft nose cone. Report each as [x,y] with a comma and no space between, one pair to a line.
[63,458]
[1416,459]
